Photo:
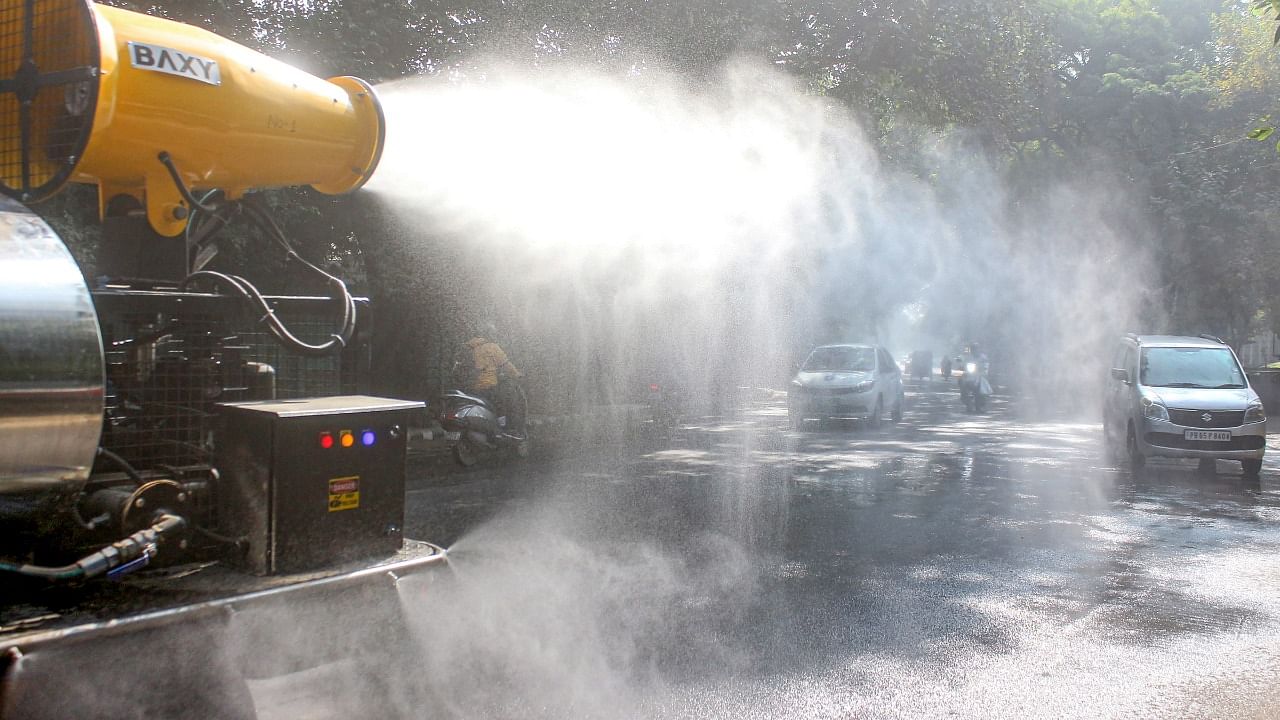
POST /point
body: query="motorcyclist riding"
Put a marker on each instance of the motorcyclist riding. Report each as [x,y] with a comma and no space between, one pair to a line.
[491,375]
[974,387]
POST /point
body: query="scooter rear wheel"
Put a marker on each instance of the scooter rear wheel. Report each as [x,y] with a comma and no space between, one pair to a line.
[465,453]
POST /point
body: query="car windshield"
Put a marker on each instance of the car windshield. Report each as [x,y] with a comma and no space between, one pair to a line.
[841,359]
[1190,368]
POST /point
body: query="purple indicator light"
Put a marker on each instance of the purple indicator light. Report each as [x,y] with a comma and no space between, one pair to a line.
[367,437]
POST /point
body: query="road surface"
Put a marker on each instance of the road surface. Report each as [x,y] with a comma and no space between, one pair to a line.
[953,565]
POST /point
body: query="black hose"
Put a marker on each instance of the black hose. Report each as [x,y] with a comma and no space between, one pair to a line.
[346,326]
[183,190]
[223,539]
[268,317]
[268,225]
[203,227]
[136,546]
[90,524]
[123,464]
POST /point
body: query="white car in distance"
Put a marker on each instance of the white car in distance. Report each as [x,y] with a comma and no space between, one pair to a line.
[858,382]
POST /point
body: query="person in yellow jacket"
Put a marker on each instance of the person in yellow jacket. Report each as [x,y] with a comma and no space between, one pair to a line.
[489,365]
[489,374]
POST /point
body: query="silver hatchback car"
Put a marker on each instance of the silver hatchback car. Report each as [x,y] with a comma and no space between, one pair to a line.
[1183,397]
[846,381]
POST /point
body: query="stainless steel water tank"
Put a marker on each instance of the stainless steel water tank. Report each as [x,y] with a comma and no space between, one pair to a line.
[51,367]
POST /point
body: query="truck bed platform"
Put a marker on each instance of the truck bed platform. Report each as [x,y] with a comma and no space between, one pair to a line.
[203,640]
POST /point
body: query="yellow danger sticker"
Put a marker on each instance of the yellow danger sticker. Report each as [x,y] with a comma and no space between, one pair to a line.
[344,493]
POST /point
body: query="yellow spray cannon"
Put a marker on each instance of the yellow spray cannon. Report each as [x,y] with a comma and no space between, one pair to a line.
[174,125]
[150,108]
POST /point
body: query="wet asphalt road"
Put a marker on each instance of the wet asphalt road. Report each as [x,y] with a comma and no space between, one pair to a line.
[951,565]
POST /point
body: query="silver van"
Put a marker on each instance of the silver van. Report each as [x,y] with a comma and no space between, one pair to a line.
[1184,397]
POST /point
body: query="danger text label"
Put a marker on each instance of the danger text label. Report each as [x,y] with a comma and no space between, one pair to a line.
[344,493]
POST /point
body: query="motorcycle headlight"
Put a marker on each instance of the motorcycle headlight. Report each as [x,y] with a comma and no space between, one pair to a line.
[864,386]
[971,368]
[1255,413]
[1154,410]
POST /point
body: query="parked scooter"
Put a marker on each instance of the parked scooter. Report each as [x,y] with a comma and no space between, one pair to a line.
[473,426]
[975,390]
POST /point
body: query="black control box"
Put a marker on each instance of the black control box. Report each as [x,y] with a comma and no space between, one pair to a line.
[312,483]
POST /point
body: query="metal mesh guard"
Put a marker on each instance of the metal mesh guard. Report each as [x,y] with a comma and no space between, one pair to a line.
[162,384]
[49,64]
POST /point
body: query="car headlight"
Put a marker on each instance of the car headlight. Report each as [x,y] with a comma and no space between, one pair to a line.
[864,386]
[971,368]
[1154,410]
[1255,413]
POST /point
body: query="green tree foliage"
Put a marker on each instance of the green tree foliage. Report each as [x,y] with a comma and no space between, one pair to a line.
[1268,9]
[1150,94]
[1157,91]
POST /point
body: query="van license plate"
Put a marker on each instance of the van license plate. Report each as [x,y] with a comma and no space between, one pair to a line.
[1216,435]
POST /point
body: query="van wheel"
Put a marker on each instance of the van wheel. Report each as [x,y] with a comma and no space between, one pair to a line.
[1251,467]
[874,420]
[1136,458]
[897,408]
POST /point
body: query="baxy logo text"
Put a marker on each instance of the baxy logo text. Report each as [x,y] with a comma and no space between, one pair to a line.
[157,58]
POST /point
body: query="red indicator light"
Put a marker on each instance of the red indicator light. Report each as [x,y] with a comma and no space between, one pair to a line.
[326,440]
[655,388]
[346,438]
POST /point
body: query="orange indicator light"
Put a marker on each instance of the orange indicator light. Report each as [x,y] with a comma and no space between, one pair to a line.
[347,439]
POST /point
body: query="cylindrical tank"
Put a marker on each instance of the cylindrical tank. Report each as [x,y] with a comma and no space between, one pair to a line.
[51,367]
[92,93]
